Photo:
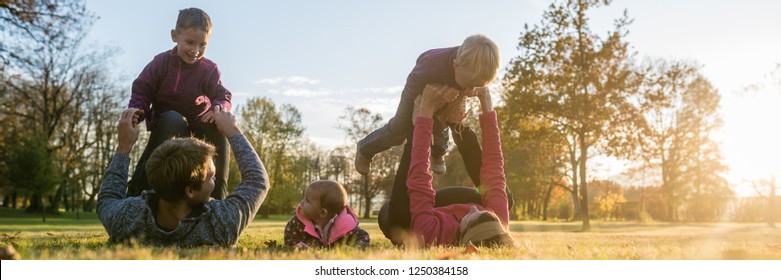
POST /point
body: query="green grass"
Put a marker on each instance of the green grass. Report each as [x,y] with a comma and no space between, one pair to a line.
[65,237]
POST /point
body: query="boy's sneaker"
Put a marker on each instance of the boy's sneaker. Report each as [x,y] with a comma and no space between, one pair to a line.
[362,164]
[438,165]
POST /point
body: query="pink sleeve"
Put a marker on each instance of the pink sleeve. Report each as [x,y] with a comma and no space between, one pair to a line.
[492,172]
[421,193]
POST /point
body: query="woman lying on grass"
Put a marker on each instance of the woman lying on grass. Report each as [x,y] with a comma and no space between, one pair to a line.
[413,205]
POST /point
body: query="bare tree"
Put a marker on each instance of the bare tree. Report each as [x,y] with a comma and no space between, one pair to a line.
[357,123]
[767,189]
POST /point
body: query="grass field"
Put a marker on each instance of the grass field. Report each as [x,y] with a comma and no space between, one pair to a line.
[65,237]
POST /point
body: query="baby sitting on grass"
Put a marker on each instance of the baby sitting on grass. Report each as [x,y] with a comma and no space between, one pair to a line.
[323,219]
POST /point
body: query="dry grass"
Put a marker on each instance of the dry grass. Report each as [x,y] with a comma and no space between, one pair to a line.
[67,238]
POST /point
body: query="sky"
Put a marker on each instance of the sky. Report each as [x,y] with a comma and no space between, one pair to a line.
[322,56]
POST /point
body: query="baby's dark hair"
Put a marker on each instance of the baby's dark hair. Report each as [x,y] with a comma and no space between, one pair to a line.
[194,17]
[332,195]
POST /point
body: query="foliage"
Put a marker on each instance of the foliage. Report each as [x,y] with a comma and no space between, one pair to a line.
[276,133]
[767,189]
[60,90]
[680,115]
[357,123]
[31,167]
[578,81]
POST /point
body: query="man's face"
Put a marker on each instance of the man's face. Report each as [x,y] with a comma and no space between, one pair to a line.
[202,195]
[190,43]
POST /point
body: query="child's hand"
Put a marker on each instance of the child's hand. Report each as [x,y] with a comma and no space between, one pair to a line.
[435,96]
[476,91]
[225,121]
[208,117]
[486,105]
[137,116]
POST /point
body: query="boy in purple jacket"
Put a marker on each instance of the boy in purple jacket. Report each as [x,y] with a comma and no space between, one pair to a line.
[176,92]
[461,69]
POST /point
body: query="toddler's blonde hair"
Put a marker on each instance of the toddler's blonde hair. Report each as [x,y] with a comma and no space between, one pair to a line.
[478,57]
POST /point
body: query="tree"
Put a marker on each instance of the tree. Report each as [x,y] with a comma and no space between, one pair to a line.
[680,113]
[578,81]
[357,123]
[102,115]
[276,133]
[32,167]
[53,79]
[767,189]
[608,197]
[534,158]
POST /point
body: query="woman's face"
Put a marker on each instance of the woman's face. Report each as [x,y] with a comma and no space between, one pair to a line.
[468,219]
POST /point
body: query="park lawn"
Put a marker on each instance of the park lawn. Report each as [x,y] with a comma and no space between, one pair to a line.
[65,237]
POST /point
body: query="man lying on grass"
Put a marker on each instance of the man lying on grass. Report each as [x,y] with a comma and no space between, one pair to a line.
[178,210]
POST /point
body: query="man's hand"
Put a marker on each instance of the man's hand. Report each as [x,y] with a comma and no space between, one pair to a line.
[128,130]
[208,117]
[225,121]
[434,97]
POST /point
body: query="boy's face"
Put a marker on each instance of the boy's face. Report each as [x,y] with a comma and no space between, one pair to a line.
[463,81]
[310,205]
[190,43]
[202,195]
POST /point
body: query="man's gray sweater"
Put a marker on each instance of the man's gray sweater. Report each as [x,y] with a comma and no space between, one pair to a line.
[218,222]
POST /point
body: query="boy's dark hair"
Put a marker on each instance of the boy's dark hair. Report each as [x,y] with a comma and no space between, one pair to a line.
[194,17]
[176,164]
[333,197]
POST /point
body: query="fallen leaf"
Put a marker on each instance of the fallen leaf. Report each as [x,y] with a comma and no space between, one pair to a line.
[447,255]
[470,248]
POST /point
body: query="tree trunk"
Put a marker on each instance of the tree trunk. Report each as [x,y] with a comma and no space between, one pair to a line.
[36,203]
[545,203]
[57,198]
[575,189]
[772,212]
[584,183]
[89,205]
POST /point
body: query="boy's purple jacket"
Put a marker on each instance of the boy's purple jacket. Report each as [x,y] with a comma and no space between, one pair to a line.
[167,83]
[432,67]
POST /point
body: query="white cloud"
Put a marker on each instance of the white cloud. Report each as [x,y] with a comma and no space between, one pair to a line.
[301,92]
[298,80]
[268,81]
[394,89]
[295,80]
